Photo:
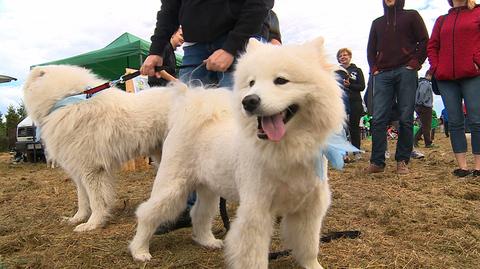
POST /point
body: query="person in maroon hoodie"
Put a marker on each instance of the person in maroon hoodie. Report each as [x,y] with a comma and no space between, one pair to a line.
[396,50]
[454,56]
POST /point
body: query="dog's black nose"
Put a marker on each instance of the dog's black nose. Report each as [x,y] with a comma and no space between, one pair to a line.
[251,102]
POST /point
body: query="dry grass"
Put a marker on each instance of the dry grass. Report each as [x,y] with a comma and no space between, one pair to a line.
[428,219]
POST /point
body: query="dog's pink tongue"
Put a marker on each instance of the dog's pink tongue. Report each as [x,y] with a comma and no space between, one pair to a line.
[274,127]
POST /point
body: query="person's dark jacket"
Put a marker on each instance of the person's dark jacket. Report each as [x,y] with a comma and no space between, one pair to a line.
[396,39]
[357,82]
[207,20]
[454,46]
[271,29]
[169,63]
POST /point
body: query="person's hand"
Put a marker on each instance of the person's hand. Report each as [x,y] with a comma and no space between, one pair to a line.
[409,67]
[346,83]
[376,72]
[428,76]
[219,61]
[148,66]
[275,42]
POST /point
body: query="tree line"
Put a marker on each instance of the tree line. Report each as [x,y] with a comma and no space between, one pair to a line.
[8,125]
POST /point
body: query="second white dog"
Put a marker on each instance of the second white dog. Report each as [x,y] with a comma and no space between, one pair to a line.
[91,138]
[258,146]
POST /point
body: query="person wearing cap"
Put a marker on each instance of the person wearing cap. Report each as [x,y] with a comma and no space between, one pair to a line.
[454,56]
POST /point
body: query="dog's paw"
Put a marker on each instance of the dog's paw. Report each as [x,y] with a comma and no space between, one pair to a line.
[86,227]
[141,256]
[73,220]
[210,243]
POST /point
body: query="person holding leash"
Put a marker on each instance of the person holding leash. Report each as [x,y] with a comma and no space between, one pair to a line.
[214,33]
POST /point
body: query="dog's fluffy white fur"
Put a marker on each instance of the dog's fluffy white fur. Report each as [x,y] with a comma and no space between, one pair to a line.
[213,148]
[92,138]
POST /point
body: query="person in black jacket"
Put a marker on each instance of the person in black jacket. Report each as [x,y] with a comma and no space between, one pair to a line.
[169,59]
[353,85]
[214,33]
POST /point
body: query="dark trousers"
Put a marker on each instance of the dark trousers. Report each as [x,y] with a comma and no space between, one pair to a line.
[425,114]
[399,84]
[356,113]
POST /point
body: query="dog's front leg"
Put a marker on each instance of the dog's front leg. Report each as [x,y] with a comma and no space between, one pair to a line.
[248,241]
[101,195]
[83,211]
[301,230]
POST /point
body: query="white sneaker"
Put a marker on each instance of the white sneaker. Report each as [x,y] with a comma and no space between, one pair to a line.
[387,154]
[417,155]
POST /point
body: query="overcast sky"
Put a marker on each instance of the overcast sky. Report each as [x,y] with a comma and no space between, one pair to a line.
[37,31]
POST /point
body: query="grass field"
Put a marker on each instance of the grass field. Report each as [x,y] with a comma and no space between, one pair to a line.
[428,219]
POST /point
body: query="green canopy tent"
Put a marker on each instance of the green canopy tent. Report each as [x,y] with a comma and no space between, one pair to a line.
[127,51]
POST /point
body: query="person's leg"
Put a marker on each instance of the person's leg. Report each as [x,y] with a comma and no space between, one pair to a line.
[405,90]
[418,134]
[192,72]
[382,103]
[472,102]
[427,125]
[452,96]
[445,128]
[225,79]
[354,122]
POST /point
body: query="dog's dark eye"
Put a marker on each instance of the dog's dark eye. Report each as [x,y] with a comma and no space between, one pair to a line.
[251,83]
[280,81]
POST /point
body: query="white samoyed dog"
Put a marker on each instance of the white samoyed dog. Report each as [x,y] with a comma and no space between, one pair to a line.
[257,145]
[91,138]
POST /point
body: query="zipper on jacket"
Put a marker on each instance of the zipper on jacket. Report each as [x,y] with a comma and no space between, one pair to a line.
[453,43]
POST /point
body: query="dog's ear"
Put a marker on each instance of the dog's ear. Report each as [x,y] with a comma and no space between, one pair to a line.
[252,45]
[317,43]
[37,72]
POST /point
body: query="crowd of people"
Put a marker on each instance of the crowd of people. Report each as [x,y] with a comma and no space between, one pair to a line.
[398,45]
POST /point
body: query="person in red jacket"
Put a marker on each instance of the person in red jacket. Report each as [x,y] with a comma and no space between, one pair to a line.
[454,55]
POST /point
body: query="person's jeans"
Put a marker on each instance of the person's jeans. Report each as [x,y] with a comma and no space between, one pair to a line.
[453,91]
[195,74]
[399,84]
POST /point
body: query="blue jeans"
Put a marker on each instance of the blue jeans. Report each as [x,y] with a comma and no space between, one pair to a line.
[453,91]
[398,85]
[195,75]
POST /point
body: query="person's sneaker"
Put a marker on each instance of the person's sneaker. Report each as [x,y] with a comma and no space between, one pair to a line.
[183,221]
[417,155]
[461,172]
[373,168]
[402,168]
[476,173]
[387,154]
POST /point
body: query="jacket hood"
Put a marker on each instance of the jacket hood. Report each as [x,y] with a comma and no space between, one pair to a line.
[399,4]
